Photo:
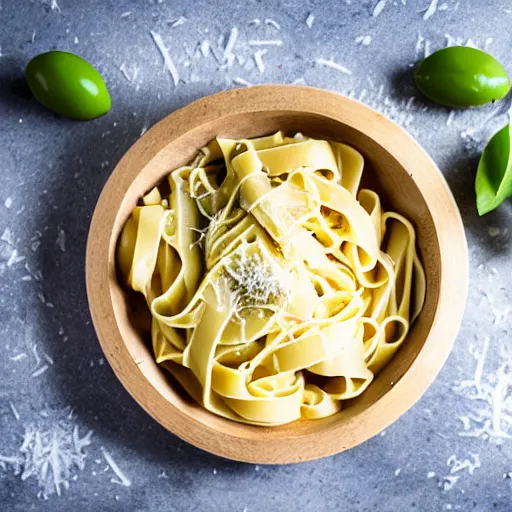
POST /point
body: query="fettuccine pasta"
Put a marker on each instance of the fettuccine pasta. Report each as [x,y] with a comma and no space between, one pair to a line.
[277,286]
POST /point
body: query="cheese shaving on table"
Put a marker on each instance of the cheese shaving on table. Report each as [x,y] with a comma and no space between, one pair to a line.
[333,65]
[272,23]
[430,10]
[378,8]
[123,479]
[168,62]
[259,60]
[265,42]
[310,20]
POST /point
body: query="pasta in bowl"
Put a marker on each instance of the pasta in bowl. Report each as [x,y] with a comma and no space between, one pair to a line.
[272,277]
[348,406]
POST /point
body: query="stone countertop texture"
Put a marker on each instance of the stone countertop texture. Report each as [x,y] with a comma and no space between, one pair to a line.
[449,452]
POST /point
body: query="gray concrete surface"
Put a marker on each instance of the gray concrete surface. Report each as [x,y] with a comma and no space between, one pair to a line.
[53,169]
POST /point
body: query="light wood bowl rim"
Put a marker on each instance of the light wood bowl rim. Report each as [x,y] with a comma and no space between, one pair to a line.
[450,306]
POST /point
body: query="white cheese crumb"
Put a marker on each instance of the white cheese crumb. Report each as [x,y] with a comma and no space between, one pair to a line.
[310,20]
[378,8]
[8,203]
[228,50]
[430,10]
[241,81]
[443,7]
[364,40]
[333,65]
[7,237]
[14,258]
[180,21]
[258,59]
[54,6]
[272,23]
[450,117]
[40,371]
[205,48]
[449,482]
[76,40]
[126,14]
[123,480]
[397,471]
[61,239]
[431,474]
[15,413]
[168,62]
[255,22]
[265,42]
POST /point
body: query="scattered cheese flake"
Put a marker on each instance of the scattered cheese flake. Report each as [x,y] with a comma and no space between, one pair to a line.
[7,237]
[457,465]
[8,203]
[258,58]
[14,258]
[430,10]
[47,357]
[241,81]
[310,20]
[18,357]
[431,474]
[397,471]
[205,48]
[334,65]
[267,42]
[180,21]
[123,480]
[449,482]
[126,14]
[228,50]
[450,117]
[378,8]
[168,62]
[272,23]
[14,411]
[427,48]
[54,6]
[61,239]
[255,22]
[419,43]
[443,7]
[76,40]
[40,371]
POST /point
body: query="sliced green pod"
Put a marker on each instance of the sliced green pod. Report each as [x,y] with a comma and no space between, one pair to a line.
[494,175]
[68,84]
[460,76]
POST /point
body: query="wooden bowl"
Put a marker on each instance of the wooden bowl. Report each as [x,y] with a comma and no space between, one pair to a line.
[403,173]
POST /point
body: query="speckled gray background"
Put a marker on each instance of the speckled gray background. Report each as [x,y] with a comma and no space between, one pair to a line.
[53,169]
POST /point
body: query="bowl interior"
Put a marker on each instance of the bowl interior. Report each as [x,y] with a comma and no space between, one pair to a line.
[383,172]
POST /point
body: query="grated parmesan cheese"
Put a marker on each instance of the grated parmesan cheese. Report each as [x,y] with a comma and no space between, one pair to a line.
[61,239]
[310,20]
[430,10]
[54,6]
[241,81]
[272,23]
[265,42]
[51,451]
[258,59]
[379,8]
[8,203]
[122,478]
[180,21]
[333,65]
[168,62]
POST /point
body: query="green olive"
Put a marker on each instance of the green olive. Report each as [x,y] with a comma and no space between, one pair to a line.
[68,84]
[459,76]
